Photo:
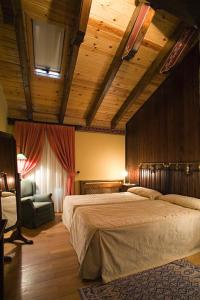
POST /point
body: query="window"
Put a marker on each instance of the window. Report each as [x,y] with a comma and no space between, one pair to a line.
[48,46]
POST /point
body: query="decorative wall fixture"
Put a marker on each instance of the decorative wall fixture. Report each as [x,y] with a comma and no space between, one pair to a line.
[187,167]
[139,30]
[178,51]
[171,177]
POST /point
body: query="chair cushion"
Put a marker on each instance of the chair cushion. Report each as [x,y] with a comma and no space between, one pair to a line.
[26,188]
[28,197]
[41,205]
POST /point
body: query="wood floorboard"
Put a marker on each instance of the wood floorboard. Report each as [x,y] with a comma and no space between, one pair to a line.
[48,269]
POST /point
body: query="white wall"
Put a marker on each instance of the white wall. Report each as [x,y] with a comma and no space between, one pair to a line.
[3,111]
[99,156]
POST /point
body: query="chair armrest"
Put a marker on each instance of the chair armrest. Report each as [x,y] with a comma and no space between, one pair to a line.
[27,198]
[42,198]
[27,202]
[27,212]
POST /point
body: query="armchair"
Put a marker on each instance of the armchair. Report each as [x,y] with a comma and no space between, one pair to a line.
[36,209]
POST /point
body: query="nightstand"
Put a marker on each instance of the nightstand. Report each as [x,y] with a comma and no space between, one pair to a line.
[126,186]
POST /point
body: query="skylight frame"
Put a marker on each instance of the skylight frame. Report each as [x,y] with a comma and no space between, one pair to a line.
[42,70]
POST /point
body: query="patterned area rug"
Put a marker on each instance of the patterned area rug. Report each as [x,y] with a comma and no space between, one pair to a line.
[179,280]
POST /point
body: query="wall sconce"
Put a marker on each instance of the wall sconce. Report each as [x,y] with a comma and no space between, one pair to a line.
[187,170]
[152,169]
[124,174]
[177,167]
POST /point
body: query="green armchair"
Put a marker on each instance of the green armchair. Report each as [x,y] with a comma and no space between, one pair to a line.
[36,209]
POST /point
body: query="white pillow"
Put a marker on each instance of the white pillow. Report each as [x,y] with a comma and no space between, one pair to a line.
[181,200]
[7,194]
[145,192]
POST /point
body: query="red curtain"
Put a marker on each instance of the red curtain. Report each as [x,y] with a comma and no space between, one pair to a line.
[62,141]
[29,140]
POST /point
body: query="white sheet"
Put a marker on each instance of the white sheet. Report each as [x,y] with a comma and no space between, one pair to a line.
[71,203]
[9,210]
[113,241]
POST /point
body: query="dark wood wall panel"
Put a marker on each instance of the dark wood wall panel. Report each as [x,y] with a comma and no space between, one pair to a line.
[167,127]
[157,179]
[186,184]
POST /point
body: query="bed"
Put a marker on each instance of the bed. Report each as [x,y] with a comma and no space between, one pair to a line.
[9,208]
[71,203]
[113,241]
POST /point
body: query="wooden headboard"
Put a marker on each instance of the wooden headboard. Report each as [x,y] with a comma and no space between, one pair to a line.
[171,178]
[100,186]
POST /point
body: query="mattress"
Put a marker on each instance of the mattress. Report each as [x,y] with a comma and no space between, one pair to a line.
[113,241]
[71,203]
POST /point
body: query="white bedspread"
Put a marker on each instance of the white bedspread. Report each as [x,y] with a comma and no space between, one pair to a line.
[112,241]
[9,210]
[71,203]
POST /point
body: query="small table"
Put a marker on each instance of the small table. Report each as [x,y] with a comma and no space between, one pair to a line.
[126,186]
[2,227]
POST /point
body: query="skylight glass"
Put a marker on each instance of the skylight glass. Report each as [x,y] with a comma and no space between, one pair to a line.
[48,46]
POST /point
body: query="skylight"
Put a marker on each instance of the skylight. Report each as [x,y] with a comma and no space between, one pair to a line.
[48,46]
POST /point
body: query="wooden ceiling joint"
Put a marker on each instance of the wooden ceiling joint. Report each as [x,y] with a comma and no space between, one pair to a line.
[148,75]
[130,43]
[8,16]
[76,41]
[23,55]
[187,10]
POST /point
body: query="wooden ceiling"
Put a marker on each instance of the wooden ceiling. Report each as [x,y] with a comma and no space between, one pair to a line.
[96,87]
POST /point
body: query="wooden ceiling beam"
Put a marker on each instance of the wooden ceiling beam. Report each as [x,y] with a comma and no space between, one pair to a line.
[148,76]
[23,55]
[77,39]
[117,60]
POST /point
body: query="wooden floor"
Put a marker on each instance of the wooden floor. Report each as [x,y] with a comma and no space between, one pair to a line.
[48,269]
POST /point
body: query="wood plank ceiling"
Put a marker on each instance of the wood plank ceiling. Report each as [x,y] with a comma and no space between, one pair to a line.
[78,98]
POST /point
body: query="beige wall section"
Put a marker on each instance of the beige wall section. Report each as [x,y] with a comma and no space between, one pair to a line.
[98,156]
[3,111]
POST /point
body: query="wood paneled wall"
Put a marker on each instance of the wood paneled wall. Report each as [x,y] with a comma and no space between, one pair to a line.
[167,127]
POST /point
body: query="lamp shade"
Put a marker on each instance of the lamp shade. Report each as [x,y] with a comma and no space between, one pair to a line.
[21,156]
[124,173]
